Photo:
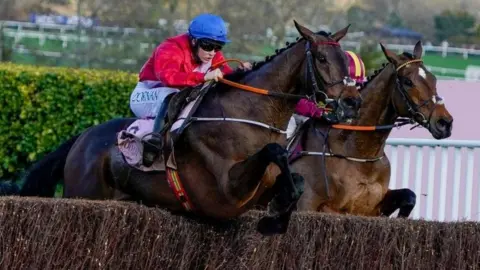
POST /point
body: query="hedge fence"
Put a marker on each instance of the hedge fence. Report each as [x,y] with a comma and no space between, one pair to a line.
[74,234]
[43,106]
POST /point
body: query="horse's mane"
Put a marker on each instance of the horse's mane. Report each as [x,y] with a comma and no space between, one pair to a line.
[240,74]
[375,74]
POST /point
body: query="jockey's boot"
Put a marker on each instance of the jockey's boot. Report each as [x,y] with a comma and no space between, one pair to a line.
[153,147]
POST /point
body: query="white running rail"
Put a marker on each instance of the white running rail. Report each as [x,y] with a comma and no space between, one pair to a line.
[443,173]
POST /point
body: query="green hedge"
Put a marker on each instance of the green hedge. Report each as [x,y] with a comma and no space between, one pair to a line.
[42,106]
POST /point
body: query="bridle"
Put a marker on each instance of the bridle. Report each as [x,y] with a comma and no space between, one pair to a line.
[313,73]
[413,109]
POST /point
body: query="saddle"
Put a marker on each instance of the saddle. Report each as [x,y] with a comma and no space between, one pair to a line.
[182,106]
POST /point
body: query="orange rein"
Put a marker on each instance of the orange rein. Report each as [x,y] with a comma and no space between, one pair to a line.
[239,85]
[267,93]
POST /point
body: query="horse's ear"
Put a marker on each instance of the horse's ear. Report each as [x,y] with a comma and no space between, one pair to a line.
[418,50]
[391,57]
[341,33]
[305,32]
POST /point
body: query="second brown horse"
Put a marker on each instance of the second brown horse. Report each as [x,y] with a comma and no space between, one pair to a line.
[347,171]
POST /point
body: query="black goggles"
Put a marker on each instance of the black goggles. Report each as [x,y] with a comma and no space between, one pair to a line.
[209,46]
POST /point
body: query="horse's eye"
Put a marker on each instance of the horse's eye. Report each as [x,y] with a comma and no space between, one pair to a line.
[408,82]
[322,59]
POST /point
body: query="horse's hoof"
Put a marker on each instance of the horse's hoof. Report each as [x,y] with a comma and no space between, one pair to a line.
[268,226]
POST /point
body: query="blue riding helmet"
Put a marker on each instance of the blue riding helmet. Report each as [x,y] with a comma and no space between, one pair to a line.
[209,26]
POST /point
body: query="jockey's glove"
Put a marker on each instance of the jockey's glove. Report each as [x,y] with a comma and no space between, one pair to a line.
[213,75]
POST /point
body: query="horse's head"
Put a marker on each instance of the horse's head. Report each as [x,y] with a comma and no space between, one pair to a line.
[327,77]
[416,96]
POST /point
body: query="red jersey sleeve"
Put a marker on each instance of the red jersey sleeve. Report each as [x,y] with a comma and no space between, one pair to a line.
[167,66]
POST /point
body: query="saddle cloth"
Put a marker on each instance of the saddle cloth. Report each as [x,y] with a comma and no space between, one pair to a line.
[130,140]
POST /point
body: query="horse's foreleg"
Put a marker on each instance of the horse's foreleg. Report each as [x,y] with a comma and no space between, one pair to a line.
[245,177]
[282,205]
[404,199]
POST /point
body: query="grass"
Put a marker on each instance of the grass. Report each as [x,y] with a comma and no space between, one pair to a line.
[455,61]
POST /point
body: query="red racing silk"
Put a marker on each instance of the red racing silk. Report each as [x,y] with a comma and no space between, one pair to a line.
[172,63]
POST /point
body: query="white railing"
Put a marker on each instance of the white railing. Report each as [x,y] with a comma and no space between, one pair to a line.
[66,38]
[443,173]
[20,26]
[23,26]
[426,48]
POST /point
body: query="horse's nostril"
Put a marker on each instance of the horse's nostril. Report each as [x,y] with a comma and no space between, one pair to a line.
[444,123]
[350,102]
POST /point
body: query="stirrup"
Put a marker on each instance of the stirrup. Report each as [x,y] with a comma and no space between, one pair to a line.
[152,148]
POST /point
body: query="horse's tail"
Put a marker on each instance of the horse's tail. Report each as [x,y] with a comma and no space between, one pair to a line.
[41,180]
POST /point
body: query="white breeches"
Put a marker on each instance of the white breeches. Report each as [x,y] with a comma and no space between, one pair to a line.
[147,98]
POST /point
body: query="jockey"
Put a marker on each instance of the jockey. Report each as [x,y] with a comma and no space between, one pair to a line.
[179,62]
[307,109]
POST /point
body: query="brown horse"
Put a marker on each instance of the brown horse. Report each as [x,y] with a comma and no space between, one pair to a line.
[218,164]
[347,171]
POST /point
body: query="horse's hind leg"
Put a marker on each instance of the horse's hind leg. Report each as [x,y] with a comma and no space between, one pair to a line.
[245,177]
[88,177]
[404,199]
